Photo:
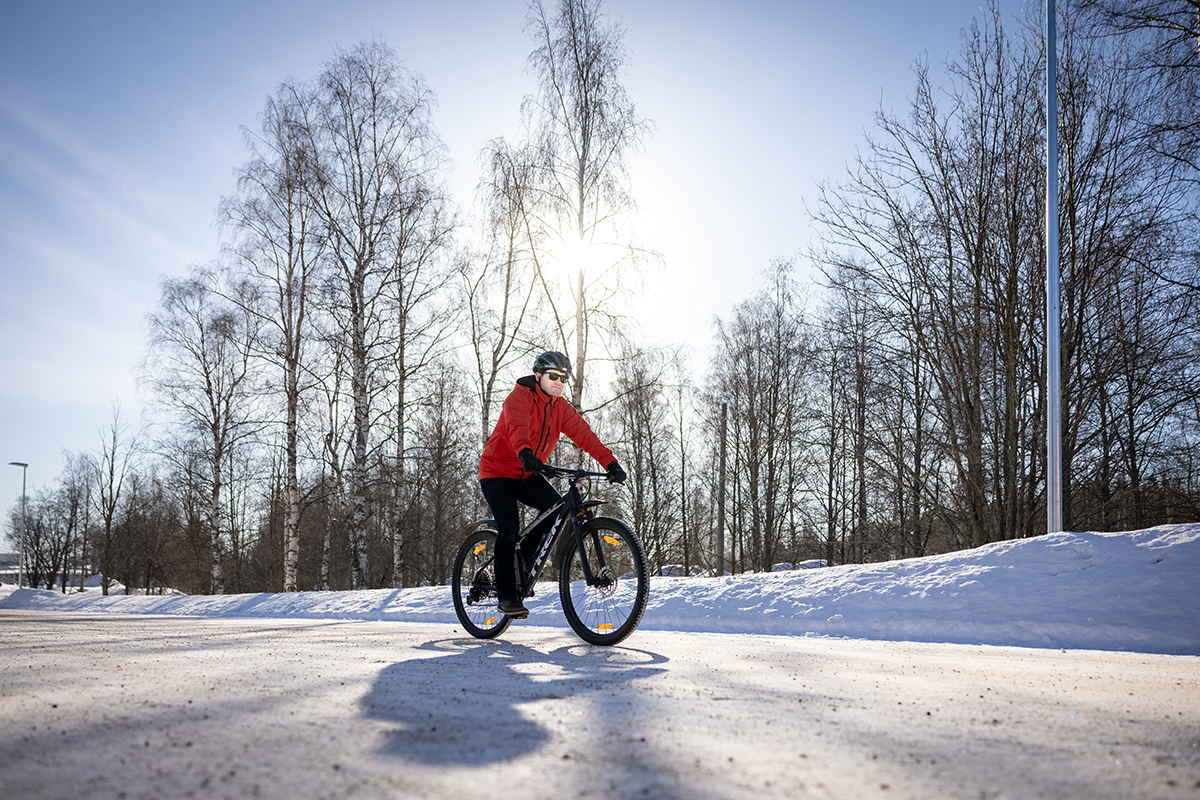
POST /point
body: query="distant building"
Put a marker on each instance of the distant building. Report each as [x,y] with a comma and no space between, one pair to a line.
[10,565]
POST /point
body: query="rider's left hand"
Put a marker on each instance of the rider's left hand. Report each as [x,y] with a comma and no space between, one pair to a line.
[615,473]
[529,462]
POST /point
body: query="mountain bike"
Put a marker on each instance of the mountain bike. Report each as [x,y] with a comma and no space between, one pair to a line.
[603,575]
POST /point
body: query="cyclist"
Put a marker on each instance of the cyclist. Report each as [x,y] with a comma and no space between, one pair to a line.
[533,416]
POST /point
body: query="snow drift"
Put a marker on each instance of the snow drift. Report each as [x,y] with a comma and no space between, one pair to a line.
[1135,591]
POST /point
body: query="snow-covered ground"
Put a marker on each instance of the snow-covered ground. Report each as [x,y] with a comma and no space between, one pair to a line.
[993,674]
[1137,591]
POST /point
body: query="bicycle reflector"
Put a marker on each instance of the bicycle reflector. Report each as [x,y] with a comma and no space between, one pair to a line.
[479,548]
[615,542]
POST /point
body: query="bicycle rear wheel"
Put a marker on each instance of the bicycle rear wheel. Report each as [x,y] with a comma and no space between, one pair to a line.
[611,608]
[473,585]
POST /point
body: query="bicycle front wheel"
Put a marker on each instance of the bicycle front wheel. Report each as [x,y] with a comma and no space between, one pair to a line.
[473,585]
[609,609]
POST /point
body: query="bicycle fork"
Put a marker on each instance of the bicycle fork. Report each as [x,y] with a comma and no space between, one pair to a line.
[601,576]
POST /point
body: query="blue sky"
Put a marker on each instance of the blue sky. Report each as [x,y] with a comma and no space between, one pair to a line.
[120,131]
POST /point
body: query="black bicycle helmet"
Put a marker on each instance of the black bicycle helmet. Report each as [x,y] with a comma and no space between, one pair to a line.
[552,360]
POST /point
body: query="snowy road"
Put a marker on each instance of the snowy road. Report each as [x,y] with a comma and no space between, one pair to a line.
[96,706]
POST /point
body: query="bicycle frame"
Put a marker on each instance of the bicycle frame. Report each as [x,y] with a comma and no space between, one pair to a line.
[571,506]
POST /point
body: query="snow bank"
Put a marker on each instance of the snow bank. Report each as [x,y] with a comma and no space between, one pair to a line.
[1137,591]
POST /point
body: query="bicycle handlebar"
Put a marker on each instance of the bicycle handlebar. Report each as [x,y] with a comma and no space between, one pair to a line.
[567,472]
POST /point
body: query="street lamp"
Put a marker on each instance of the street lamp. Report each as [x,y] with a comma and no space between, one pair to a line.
[1054,492]
[21,556]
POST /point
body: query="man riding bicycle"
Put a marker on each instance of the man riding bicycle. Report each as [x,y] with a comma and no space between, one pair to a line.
[532,418]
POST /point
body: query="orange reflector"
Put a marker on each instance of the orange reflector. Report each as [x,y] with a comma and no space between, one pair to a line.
[613,541]
[479,548]
[491,621]
[606,626]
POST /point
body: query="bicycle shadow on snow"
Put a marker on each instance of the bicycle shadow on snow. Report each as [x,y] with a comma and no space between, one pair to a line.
[464,707]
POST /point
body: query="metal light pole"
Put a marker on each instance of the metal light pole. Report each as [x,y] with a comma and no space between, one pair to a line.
[24,523]
[1054,498]
[721,493]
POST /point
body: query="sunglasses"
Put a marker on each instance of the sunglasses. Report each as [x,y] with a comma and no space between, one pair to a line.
[557,377]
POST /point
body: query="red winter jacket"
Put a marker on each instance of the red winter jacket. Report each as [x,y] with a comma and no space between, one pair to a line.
[531,418]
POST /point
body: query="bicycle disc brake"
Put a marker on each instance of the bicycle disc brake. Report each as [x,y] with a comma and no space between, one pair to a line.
[606,581]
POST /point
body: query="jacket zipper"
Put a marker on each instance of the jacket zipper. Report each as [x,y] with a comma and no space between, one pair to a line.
[542,432]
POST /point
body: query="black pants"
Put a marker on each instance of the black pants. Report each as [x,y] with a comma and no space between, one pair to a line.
[502,494]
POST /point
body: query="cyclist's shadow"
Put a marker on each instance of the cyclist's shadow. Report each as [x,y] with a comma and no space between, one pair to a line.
[463,707]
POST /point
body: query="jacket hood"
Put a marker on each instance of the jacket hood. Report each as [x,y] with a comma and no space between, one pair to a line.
[530,382]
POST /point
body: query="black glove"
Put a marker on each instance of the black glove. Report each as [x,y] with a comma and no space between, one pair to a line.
[616,474]
[532,464]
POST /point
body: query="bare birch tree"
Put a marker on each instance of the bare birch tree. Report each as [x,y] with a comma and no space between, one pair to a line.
[376,149]
[421,323]
[500,284]
[113,463]
[200,368]
[586,127]
[279,247]
[761,367]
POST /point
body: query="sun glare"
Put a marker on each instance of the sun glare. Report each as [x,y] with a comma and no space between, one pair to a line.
[575,255]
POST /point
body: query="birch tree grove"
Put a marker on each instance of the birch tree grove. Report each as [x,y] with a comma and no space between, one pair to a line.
[323,391]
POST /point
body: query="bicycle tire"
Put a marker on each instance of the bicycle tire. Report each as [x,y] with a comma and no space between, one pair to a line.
[473,585]
[605,614]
